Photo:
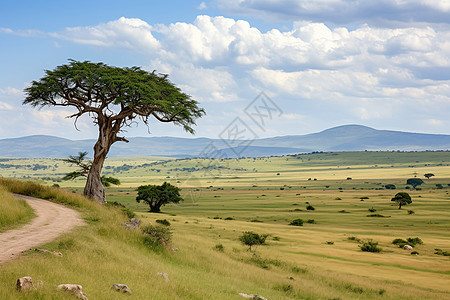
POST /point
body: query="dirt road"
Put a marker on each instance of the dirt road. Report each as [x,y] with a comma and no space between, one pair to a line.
[51,221]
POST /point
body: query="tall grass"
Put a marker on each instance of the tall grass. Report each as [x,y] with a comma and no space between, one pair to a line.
[13,211]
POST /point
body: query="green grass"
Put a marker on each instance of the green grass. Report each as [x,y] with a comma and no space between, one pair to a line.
[295,263]
[13,212]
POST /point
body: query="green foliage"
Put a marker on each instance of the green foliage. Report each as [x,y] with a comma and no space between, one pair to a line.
[411,212]
[414,182]
[156,235]
[439,186]
[409,241]
[372,209]
[376,216]
[370,246]
[250,239]
[390,186]
[158,195]
[164,222]
[402,198]
[296,222]
[414,241]
[428,175]
[219,247]
[310,207]
[311,221]
[125,210]
[414,253]
[441,252]
[354,238]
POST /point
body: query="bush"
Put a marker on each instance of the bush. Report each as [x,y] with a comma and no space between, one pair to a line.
[439,186]
[330,243]
[414,253]
[163,222]
[311,221]
[250,239]
[296,222]
[337,198]
[370,246]
[157,235]
[310,207]
[364,197]
[372,209]
[400,242]
[390,187]
[354,238]
[219,247]
[410,212]
[415,241]
[441,252]
[229,218]
[376,216]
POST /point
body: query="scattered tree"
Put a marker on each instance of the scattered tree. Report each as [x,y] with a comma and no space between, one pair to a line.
[158,195]
[250,239]
[84,165]
[114,98]
[414,182]
[428,175]
[390,186]
[402,198]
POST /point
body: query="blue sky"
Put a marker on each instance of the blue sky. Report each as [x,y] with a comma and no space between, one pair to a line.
[323,63]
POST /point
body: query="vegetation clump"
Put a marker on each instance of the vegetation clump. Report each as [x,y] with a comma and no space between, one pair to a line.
[250,239]
[370,246]
[158,195]
[390,186]
[409,241]
[164,222]
[402,198]
[296,222]
[310,207]
[156,235]
[441,252]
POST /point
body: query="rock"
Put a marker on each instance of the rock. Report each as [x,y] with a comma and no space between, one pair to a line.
[174,249]
[118,287]
[74,289]
[133,224]
[47,251]
[164,275]
[407,247]
[252,296]
[24,284]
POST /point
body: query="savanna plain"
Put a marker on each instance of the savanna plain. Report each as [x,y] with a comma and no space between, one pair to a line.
[343,199]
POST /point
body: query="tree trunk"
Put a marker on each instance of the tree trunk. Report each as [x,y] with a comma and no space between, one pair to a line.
[94,188]
[399,205]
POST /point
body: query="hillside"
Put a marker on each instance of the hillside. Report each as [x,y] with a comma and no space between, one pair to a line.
[341,138]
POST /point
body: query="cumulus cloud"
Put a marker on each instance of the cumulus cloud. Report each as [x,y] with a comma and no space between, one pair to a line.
[342,11]
[134,34]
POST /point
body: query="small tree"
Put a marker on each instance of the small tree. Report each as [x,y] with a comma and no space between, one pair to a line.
[158,195]
[84,166]
[428,175]
[402,198]
[250,239]
[414,182]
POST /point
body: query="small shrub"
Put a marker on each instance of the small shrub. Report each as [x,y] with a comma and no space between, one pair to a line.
[439,186]
[216,218]
[310,207]
[415,241]
[414,253]
[256,221]
[229,218]
[343,211]
[376,216]
[330,243]
[163,222]
[157,235]
[218,247]
[400,242]
[311,221]
[410,212]
[370,246]
[390,187]
[296,222]
[250,239]
[338,198]
[372,209]
[441,252]
[349,178]
[354,238]
[276,238]
[364,197]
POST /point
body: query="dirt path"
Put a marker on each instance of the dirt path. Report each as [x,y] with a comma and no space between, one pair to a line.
[51,221]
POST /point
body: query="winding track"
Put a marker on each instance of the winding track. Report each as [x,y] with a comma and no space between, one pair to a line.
[51,221]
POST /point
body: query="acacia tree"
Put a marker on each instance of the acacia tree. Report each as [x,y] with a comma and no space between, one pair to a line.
[115,98]
[402,198]
[158,195]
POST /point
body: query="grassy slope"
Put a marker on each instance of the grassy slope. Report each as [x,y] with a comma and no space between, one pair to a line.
[296,264]
[13,211]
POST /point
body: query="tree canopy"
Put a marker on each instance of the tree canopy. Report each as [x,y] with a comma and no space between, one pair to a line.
[115,98]
[158,195]
[414,182]
[402,198]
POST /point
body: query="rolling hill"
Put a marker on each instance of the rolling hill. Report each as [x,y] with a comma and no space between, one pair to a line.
[341,138]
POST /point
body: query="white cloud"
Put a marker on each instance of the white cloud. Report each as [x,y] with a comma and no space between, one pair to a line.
[202,6]
[10,91]
[134,34]
[5,106]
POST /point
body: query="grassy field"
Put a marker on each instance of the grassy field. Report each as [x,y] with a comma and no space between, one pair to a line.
[13,212]
[223,198]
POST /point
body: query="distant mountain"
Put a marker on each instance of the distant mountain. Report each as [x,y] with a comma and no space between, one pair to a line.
[341,138]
